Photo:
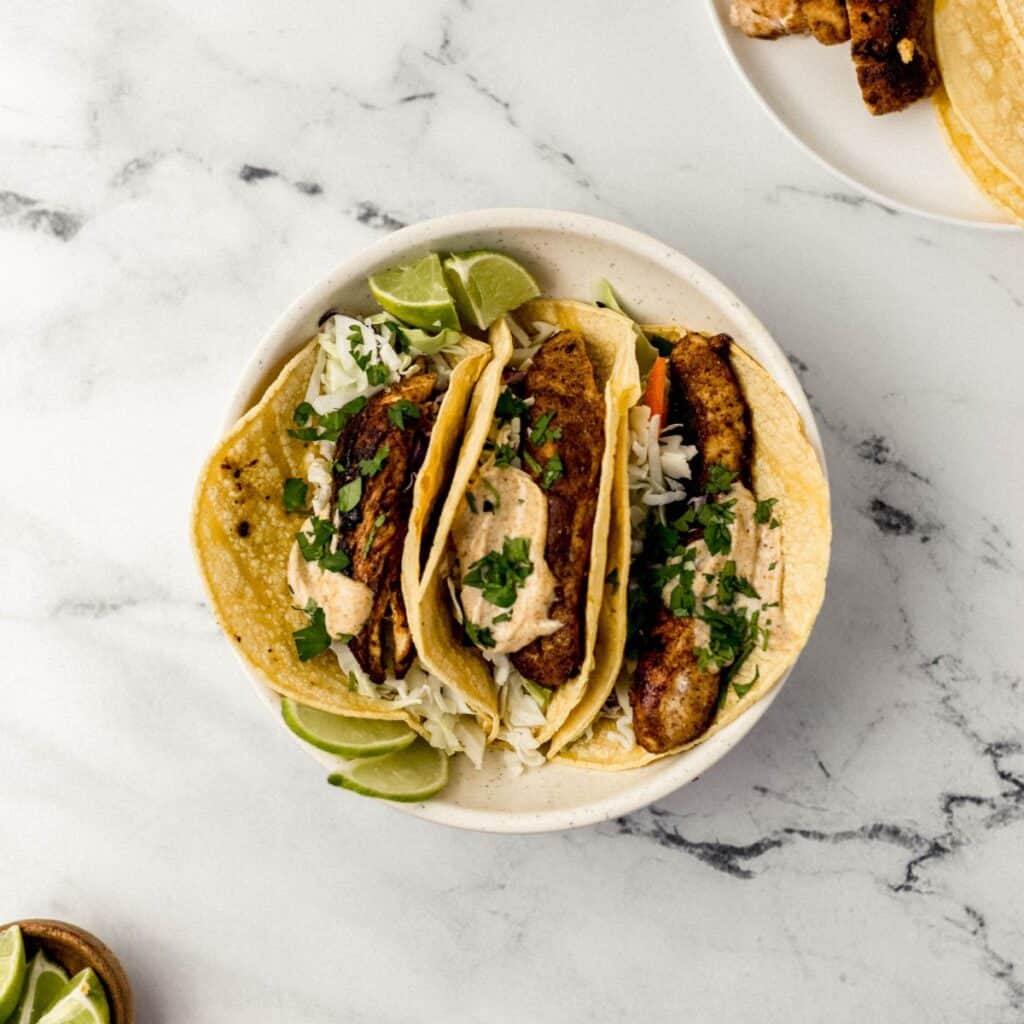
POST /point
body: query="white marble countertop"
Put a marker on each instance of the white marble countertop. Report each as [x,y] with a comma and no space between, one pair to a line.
[172,174]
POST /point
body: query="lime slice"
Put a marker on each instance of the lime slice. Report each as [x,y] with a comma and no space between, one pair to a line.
[45,982]
[408,775]
[416,294]
[339,734]
[12,969]
[487,284]
[83,1001]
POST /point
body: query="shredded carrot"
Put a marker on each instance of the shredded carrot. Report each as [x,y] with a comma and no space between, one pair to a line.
[656,395]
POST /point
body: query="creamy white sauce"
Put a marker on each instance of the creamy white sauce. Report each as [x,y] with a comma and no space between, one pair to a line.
[346,602]
[757,551]
[508,504]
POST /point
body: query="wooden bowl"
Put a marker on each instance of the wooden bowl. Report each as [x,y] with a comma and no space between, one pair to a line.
[75,949]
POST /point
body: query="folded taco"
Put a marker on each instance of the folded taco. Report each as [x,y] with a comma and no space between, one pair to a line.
[312,521]
[513,587]
[721,526]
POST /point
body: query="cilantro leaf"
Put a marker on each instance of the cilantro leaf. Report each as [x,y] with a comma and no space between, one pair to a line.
[314,547]
[350,494]
[371,467]
[505,455]
[313,639]
[510,406]
[553,470]
[294,494]
[334,561]
[374,530]
[763,512]
[500,574]
[716,518]
[478,635]
[542,432]
[303,412]
[719,480]
[400,411]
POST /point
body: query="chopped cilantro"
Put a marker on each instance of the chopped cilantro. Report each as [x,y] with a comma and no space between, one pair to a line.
[503,617]
[294,495]
[371,467]
[510,406]
[334,561]
[730,584]
[742,689]
[685,522]
[377,374]
[331,423]
[505,455]
[400,411]
[478,635]
[500,574]
[719,480]
[350,494]
[542,432]
[553,470]
[716,517]
[471,502]
[314,547]
[763,512]
[532,463]
[374,530]
[313,639]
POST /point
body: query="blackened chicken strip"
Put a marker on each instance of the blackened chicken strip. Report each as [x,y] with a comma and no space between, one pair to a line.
[892,52]
[561,383]
[673,698]
[374,531]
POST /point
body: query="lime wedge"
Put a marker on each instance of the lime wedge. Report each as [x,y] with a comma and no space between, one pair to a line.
[408,775]
[45,982]
[416,294]
[487,284]
[339,734]
[12,969]
[83,1001]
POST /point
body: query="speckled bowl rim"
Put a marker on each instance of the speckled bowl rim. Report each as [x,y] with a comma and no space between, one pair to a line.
[401,245]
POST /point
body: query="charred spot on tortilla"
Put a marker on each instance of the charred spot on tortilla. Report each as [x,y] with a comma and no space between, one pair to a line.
[566,462]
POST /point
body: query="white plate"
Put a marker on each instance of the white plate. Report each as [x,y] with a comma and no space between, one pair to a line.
[567,252]
[900,160]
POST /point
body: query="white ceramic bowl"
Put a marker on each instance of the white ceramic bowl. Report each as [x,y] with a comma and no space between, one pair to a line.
[567,252]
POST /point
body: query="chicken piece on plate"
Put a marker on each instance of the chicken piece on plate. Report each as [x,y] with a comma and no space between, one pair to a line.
[826,20]
[892,51]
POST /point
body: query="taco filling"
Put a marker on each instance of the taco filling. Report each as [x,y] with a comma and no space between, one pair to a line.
[521,540]
[368,417]
[706,578]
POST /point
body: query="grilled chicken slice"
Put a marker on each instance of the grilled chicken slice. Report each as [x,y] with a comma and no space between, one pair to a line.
[769,19]
[892,51]
[374,531]
[561,381]
[706,398]
[673,698]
